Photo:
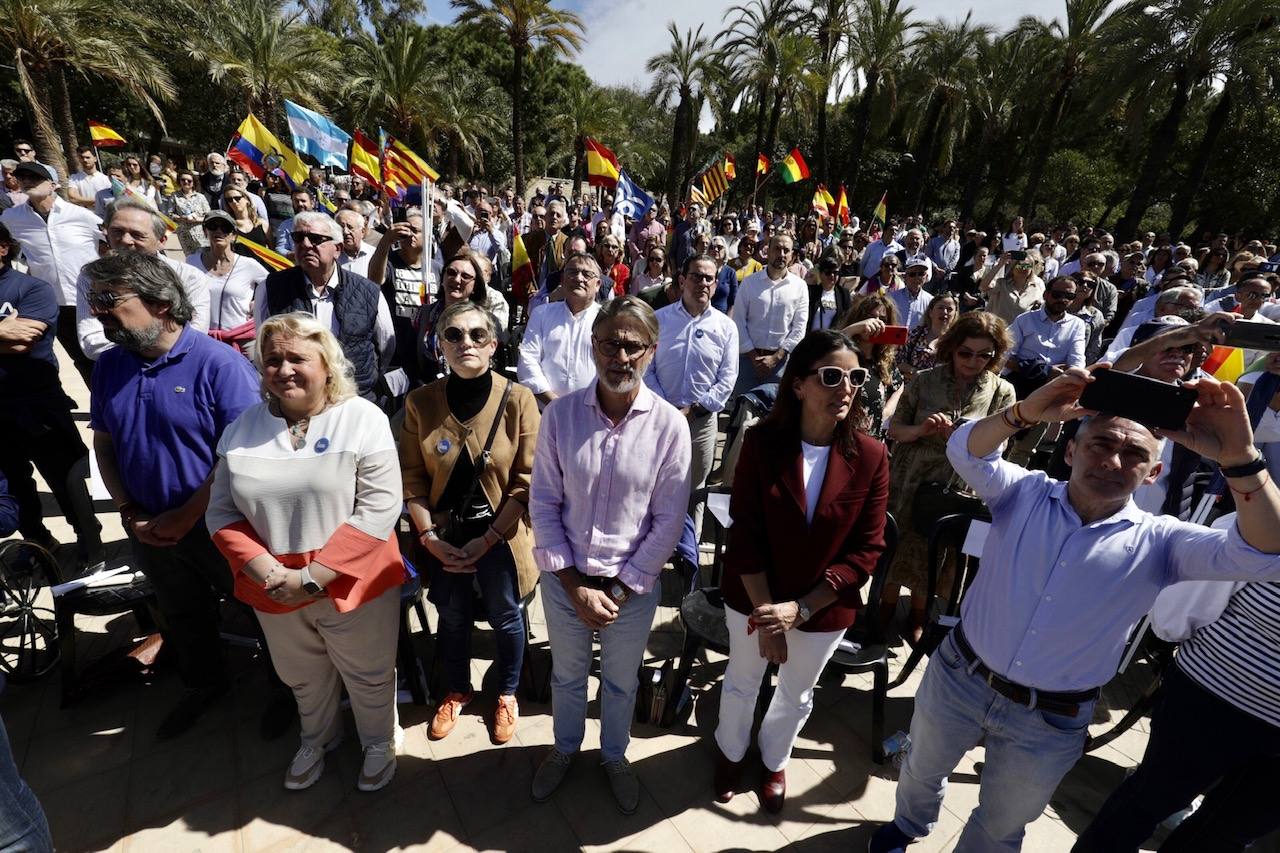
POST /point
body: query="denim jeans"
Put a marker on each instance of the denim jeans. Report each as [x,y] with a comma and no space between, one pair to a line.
[1028,751]
[748,378]
[453,595]
[1197,739]
[622,645]
[23,827]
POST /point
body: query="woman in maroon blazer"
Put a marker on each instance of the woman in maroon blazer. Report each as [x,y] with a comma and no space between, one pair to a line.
[808,507]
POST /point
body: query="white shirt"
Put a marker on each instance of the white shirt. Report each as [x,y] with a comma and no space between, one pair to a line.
[815,471]
[88,186]
[357,263]
[1014,242]
[555,354]
[93,341]
[771,315]
[230,295]
[384,333]
[696,359]
[56,250]
[1150,497]
[911,309]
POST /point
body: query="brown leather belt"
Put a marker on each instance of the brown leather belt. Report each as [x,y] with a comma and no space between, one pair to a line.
[1066,704]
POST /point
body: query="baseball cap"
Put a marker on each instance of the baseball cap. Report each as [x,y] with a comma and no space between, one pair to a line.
[31,171]
[219,215]
[1157,326]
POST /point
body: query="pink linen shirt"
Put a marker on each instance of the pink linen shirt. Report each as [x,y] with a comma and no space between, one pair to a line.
[610,500]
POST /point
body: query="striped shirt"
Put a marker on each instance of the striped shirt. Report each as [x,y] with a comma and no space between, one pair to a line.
[1237,657]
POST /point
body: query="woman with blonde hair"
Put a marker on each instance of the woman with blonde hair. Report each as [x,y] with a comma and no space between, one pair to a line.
[248,223]
[306,497]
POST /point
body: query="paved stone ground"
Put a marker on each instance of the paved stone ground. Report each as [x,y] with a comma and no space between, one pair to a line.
[107,784]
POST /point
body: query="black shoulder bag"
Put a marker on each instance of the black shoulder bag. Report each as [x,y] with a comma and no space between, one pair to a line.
[466,522]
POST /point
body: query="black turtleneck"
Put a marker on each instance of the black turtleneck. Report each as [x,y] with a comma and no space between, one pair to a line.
[466,397]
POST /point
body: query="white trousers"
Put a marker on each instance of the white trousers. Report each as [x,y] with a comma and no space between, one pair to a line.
[807,654]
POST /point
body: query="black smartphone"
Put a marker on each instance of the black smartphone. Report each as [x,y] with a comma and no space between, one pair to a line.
[1148,401]
[400,214]
[1257,336]
[1018,255]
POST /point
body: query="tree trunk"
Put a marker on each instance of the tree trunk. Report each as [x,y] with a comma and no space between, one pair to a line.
[517,116]
[1162,143]
[1190,187]
[48,146]
[861,130]
[62,113]
[977,171]
[675,165]
[455,159]
[762,98]
[775,118]
[1036,170]
[823,172]
[924,157]
[579,164]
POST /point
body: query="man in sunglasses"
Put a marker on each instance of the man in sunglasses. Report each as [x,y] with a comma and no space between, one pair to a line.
[351,305]
[133,226]
[26,153]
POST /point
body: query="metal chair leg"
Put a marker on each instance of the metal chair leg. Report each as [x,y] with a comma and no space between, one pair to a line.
[878,696]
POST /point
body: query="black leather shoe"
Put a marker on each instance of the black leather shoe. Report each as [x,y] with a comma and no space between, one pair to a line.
[728,774]
[281,711]
[773,791]
[194,702]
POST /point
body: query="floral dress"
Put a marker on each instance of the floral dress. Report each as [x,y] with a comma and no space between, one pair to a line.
[874,395]
[916,353]
[190,237]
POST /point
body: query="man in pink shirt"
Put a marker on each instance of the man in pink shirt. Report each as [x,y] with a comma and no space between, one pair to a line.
[610,490]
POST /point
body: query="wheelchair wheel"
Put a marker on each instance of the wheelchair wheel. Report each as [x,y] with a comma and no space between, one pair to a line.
[28,628]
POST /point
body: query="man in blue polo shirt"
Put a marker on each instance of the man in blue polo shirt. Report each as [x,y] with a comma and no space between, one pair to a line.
[35,423]
[161,400]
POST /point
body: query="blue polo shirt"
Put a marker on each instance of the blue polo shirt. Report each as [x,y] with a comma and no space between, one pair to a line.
[165,416]
[36,370]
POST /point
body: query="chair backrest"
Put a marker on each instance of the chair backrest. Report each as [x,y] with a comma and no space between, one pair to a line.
[947,544]
[879,576]
[746,411]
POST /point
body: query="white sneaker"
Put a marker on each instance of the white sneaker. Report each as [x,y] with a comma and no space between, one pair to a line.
[380,763]
[308,765]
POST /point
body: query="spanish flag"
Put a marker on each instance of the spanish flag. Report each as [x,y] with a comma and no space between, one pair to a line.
[881,213]
[364,159]
[523,280]
[762,164]
[602,165]
[794,168]
[819,203]
[103,136]
[730,166]
[842,207]
[271,259]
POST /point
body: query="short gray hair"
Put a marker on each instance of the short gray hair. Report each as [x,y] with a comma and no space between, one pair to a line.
[323,220]
[466,306]
[628,307]
[557,204]
[126,203]
[151,278]
[1172,294]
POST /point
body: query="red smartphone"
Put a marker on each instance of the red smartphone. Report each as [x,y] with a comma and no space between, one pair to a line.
[892,336]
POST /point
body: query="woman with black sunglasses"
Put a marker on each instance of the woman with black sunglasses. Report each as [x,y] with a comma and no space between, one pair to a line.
[808,506]
[466,455]
[464,278]
[247,222]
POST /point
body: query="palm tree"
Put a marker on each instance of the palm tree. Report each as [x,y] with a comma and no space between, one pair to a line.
[679,73]
[267,52]
[469,112]
[879,36]
[1001,66]
[1199,44]
[523,23]
[1069,52]
[49,39]
[829,21]
[395,82]
[750,44]
[796,55]
[587,110]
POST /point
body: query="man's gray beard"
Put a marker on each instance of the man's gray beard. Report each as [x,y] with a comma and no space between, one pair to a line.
[624,387]
[136,340]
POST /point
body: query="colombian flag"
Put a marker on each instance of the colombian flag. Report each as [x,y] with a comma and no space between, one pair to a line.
[103,136]
[327,203]
[794,168]
[523,281]
[271,259]
[602,165]
[258,151]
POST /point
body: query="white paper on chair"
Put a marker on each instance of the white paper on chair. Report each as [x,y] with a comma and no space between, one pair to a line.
[111,577]
[718,504]
[976,538]
[97,488]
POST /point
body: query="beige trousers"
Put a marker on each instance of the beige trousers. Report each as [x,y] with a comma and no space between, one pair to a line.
[316,650]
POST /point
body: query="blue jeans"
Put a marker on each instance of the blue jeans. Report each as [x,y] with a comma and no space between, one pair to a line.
[1028,751]
[23,827]
[453,594]
[747,377]
[622,645]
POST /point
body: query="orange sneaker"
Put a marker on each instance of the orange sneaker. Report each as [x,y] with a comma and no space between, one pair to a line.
[504,719]
[447,714]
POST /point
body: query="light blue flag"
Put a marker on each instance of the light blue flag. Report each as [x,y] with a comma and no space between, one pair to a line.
[315,135]
[629,199]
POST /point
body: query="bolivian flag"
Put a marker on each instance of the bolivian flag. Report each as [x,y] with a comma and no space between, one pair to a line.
[602,165]
[271,259]
[103,136]
[794,168]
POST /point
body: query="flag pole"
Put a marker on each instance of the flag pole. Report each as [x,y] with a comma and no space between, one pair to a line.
[428,232]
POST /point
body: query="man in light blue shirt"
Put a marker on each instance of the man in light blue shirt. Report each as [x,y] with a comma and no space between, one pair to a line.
[873,253]
[696,366]
[302,202]
[1050,334]
[1067,570]
[913,300]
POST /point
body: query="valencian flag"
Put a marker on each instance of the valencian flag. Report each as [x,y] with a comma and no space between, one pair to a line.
[104,137]
[714,183]
[272,260]
[258,151]
[794,168]
[602,165]
[842,207]
[402,168]
[730,166]
[364,160]
[119,189]
[762,164]
[524,282]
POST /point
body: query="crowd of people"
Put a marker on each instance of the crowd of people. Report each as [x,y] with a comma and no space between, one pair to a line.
[262,434]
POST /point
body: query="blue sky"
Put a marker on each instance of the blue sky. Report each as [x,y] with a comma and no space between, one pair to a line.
[623,34]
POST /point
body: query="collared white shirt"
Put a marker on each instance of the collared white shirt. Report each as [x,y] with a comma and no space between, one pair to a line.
[384,333]
[1060,341]
[696,359]
[911,309]
[357,263]
[56,250]
[88,186]
[93,341]
[771,315]
[230,295]
[555,354]
[617,225]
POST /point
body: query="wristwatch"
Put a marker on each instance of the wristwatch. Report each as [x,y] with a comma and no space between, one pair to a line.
[618,591]
[1247,469]
[308,584]
[802,611]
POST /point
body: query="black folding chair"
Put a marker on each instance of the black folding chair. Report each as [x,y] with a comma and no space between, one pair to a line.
[946,544]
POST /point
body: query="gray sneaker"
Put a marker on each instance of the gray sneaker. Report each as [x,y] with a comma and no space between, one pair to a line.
[308,765]
[625,785]
[549,775]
